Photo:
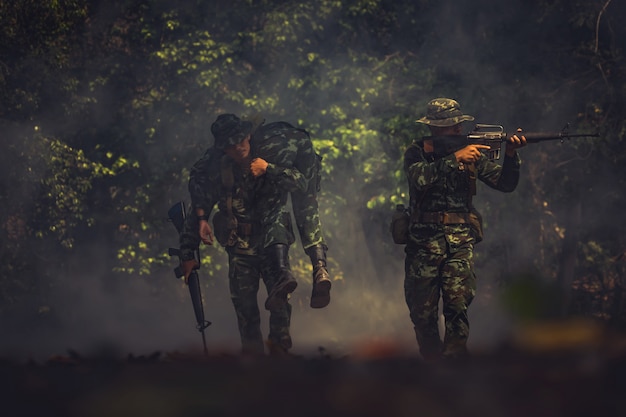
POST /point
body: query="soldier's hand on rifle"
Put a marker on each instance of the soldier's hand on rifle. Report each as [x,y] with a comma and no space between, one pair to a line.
[470,153]
[515,142]
[258,167]
[206,232]
[188,267]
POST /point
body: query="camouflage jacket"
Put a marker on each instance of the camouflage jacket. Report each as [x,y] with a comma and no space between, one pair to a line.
[259,202]
[443,185]
[283,145]
[207,190]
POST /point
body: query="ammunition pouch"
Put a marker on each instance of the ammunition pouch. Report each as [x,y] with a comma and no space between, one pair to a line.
[399,227]
[476,223]
[226,229]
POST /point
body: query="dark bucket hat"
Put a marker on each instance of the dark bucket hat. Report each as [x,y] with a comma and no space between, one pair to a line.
[229,130]
[444,112]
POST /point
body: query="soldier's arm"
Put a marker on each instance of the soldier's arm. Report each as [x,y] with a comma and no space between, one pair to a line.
[204,189]
[503,177]
[288,179]
[278,160]
[204,184]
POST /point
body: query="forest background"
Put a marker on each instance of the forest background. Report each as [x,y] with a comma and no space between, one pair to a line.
[105,105]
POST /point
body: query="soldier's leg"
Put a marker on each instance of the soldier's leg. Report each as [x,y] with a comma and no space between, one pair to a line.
[306,212]
[279,279]
[458,291]
[421,290]
[279,338]
[244,276]
[320,294]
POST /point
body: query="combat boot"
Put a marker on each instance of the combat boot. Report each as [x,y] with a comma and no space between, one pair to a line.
[455,349]
[284,283]
[430,346]
[320,294]
[252,348]
[279,348]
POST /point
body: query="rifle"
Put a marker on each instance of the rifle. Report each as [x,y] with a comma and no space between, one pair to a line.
[177,215]
[493,136]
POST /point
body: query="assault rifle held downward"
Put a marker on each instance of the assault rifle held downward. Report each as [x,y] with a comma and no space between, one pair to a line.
[177,214]
[493,136]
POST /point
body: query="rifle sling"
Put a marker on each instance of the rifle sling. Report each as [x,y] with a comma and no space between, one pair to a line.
[228,181]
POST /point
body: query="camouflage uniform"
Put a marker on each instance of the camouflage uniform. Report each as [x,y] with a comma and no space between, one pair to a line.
[254,200]
[439,252]
[293,166]
[282,145]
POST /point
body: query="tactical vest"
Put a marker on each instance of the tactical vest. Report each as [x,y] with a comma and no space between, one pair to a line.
[226,227]
[402,218]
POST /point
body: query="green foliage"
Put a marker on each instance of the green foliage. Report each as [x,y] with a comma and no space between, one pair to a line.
[68,179]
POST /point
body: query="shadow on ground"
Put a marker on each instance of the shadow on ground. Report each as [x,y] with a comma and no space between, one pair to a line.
[546,370]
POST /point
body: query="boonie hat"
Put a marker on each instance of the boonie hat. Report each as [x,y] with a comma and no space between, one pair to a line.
[444,112]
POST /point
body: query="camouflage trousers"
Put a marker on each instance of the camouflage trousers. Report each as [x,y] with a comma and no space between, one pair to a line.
[439,263]
[245,273]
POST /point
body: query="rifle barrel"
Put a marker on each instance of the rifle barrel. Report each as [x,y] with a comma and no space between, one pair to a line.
[534,137]
[196,299]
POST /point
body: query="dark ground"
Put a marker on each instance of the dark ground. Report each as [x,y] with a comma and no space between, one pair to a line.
[562,375]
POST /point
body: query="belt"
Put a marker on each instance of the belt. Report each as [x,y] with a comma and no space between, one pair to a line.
[442,217]
[244,229]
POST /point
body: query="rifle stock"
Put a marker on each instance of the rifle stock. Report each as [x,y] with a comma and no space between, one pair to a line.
[177,215]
